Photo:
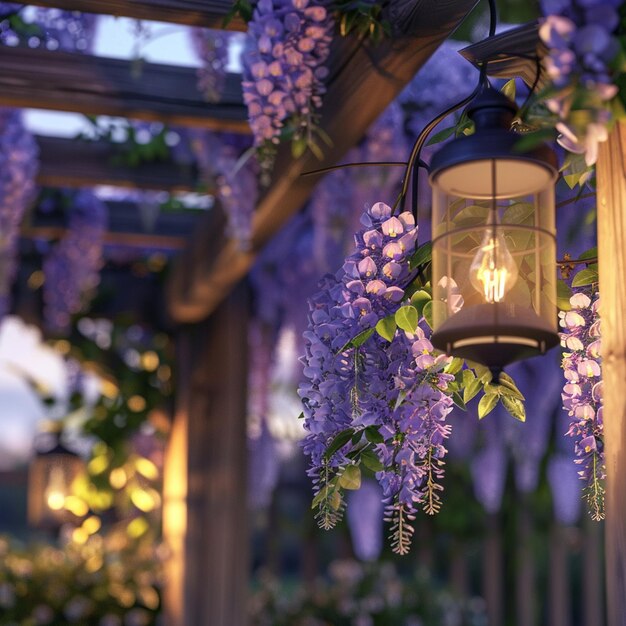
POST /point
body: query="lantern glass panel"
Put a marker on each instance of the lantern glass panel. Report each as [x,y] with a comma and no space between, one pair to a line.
[494,277]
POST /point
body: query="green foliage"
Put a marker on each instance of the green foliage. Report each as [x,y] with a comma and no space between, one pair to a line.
[386,327]
[587,276]
[406,318]
[364,19]
[350,478]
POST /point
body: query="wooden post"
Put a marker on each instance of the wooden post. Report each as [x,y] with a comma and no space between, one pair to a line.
[208,576]
[612,258]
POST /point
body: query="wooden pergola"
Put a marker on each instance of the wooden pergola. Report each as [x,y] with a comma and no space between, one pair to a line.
[204,493]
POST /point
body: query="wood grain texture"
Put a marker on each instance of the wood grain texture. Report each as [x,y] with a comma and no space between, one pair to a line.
[611,187]
[509,54]
[217,567]
[364,80]
[72,163]
[93,85]
[209,14]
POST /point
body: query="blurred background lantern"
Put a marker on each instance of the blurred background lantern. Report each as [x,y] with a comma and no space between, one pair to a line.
[494,248]
[51,474]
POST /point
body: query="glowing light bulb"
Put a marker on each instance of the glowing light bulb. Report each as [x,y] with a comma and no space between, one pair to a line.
[493,271]
[55,493]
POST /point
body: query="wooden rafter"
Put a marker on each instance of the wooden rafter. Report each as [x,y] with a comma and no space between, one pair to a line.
[364,80]
[209,14]
[74,163]
[93,85]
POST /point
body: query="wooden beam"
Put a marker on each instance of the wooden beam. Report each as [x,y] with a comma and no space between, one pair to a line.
[611,187]
[130,240]
[206,13]
[364,80]
[81,83]
[74,163]
[511,53]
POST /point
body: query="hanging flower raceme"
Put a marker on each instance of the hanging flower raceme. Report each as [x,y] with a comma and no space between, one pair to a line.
[374,399]
[18,169]
[218,158]
[583,48]
[582,393]
[212,48]
[73,265]
[288,43]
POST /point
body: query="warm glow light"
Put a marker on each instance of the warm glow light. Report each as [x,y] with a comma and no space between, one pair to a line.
[55,500]
[493,271]
[55,491]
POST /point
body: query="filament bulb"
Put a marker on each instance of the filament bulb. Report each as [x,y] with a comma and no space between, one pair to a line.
[493,271]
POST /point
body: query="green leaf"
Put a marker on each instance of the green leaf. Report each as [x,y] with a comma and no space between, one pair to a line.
[301,416]
[457,398]
[298,147]
[471,389]
[509,89]
[422,255]
[386,327]
[335,500]
[442,135]
[592,253]
[371,461]
[351,478]
[427,313]
[407,318]
[321,495]
[419,300]
[588,276]
[340,440]
[373,435]
[563,294]
[515,407]
[456,365]
[487,404]
[362,337]
[357,340]
[508,387]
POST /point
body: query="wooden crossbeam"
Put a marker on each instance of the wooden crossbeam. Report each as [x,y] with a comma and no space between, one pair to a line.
[93,85]
[365,78]
[75,163]
[207,13]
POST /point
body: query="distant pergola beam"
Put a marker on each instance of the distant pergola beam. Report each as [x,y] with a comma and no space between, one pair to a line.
[77,163]
[364,79]
[92,85]
[206,13]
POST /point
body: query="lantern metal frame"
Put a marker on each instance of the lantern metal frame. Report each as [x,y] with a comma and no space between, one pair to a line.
[493,333]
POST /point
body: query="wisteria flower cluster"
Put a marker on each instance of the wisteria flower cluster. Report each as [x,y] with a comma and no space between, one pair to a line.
[288,43]
[583,65]
[582,393]
[18,168]
[218,156]
[379,399]
[72,268]
[212,48]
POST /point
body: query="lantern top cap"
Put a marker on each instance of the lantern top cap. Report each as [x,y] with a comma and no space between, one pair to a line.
[491,99]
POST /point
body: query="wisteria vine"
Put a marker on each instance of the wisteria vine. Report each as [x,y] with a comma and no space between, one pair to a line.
[287,46]
[72,268]
[582,393]
[584,66]
[18,169]
[370,400]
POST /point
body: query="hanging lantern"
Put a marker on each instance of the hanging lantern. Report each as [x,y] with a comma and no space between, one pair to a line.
[494,243]
[50,478]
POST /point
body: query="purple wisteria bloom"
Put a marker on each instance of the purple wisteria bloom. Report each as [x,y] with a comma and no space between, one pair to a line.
[288,43]
[580,35]
[582,393]
[390,396]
